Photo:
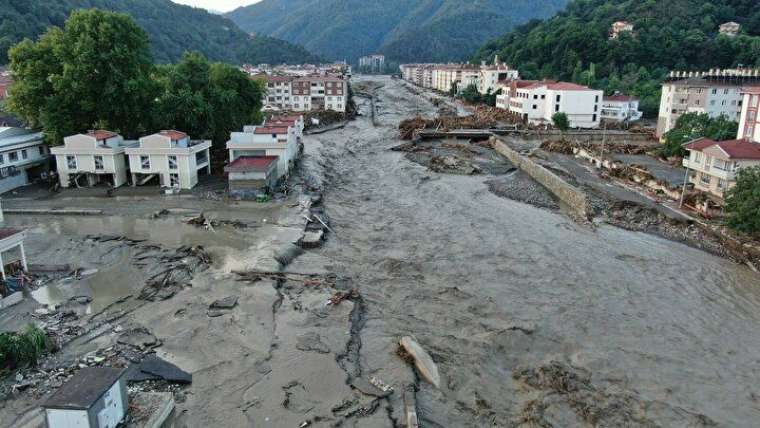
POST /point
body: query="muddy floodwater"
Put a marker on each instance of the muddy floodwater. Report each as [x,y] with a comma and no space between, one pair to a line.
[657,333]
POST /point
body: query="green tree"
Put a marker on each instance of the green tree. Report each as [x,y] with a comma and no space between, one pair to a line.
[743,201]
[691,126]
[561,121]
[471,94]
[95,70]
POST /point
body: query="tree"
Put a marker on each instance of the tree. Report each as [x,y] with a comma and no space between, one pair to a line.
[743,201]
[691,126]
[561,121]
[95,70]
[471,94]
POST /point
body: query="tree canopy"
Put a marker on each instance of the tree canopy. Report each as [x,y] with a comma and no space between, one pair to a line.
[743,201]
[561,121]
[691,126]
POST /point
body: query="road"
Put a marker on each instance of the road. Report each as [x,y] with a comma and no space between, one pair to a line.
[530,317]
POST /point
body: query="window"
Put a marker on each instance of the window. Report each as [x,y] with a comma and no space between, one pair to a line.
[704,179]
[71,162]
[594,118]
[145,162]
[172,162]
[174,180]
[12,156]
[714,91]
[697,156]
[721,184]
[596,108]
[556,108]
[596,99]
[559,97]
[99,163]
[2,159]
[42,150]
[535,97]
[543,97]
[535,107]
[24,154]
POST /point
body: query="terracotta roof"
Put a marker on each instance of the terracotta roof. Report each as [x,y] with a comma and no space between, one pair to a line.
[735,149]
[279,78]
[101,134]
[566,86]
[620,98]
[251,163]
[271,130]
[174,135]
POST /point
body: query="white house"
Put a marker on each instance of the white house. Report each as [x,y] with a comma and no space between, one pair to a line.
[24,156]
[281,141]
[537,103]
[621,108]
[95,397]
[96,156]
[171,157]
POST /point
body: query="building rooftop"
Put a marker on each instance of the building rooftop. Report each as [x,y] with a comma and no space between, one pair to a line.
[102,134]
[11,136]
[620,98]
[7,232]
[174,135]
[734,149]
[84,389]
[271,130]
[251,163]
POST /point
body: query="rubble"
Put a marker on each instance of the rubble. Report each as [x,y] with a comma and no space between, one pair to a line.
[425,365]
[225,303]
[139,338]
[154,368]
[340,296]
[368,388]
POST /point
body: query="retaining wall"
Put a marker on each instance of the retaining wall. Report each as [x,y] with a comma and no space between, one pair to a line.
[564,191]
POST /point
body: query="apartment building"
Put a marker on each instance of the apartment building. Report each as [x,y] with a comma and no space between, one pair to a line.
[730,29]
[306,93]
[713,165]
[537,102]
[24,156]
[92,158]
[621,108]
[489,76]
[446,77]
[372,63]
[171,157]
[749,122]
[715,92]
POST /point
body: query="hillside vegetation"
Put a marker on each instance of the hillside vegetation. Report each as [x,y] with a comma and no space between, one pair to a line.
[172,30]
[672,34]
[404,30]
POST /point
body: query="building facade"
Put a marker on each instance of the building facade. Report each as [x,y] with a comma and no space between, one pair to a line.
[537,102]
[730,29]
[24,157]
[621,108]
[306,93]
[171,157]
[92,158]
[716,93]
[620,27]
[713,165]
[490,76]
[373,63]
[749,122]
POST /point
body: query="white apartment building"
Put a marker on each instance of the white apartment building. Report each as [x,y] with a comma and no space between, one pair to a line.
[306,93]
[621,108]
[97,156]
[749,123]
[717,92]
[373,63]
[537,102]
[490,76]
[24,156]
[171,157]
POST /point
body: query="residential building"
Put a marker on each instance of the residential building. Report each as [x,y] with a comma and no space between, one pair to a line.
[713,165]
[372,63]
[620,108]
[730,29]
[95,397]
[537,102]
[306,93]
[251,176]
[24,157]
[491,75]
[620,27]
[715,92]
[97,156]
[749,122]
[171,157]
[448,76]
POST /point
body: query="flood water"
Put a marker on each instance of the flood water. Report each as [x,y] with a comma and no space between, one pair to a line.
[442,258]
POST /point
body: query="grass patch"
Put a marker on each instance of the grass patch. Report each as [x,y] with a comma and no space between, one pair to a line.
[22,349]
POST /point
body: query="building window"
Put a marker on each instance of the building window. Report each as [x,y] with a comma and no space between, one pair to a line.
[2,159]
[596,99]
[714,91]
[12,156]
[697,156]
[172,162]
[42,150]
[543,97]
[556,108]
[99,163]
[721,184]
[71,162]
[535,107]
[24,154]
[559,97]
[174,180]
[145,162]
[535,97]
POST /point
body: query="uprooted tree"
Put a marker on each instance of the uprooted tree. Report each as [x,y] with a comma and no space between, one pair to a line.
[743,201]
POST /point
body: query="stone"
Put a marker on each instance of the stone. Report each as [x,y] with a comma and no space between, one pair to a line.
[311,342]
[139,338]
[226,303]
[425,365]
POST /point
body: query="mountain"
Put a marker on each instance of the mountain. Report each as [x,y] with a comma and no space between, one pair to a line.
[172,28]
[404,30]
[674,34]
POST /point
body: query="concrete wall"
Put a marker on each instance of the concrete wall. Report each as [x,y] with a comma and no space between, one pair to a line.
[565,192]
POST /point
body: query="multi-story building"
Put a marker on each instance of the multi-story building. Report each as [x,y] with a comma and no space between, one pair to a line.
[171,157]
[448,76]
[537,102]
[97,156]
[730,29]
[716,92]
[713,165]
[490,76]
[24,156]
[306,93]
[372,63]
[620,27]
[749,123]
[620,108]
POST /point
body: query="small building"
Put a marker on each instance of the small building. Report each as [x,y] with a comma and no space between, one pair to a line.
[96,397]
[267,140]
[713,165]
[620,27]
[730,29]
[171,157]
[97,156]
[251,176]
[12,241]
[24,156]
[621,108]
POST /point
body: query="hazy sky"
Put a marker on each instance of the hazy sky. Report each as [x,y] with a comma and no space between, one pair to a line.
[220,5]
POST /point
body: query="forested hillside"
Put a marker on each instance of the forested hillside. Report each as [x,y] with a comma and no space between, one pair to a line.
[405,30]
[669,34]
[172,29]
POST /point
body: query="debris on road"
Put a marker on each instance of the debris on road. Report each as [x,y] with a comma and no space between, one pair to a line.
[153,367]
[425,365]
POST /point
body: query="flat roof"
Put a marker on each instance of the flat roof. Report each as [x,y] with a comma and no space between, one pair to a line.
[251,163]
[84,389]
[11,136]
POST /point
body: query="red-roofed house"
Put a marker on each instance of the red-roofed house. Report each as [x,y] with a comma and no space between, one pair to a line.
[250,176]
[749,122]
[87,159]
[621,108]
[171,157]
[536,103]
[713,164]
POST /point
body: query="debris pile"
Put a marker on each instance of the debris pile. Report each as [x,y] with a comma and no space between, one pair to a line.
[177,271]
[410,127]
[569,147]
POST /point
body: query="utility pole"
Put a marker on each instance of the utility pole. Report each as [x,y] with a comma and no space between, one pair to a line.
[604,143]
[685,180]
